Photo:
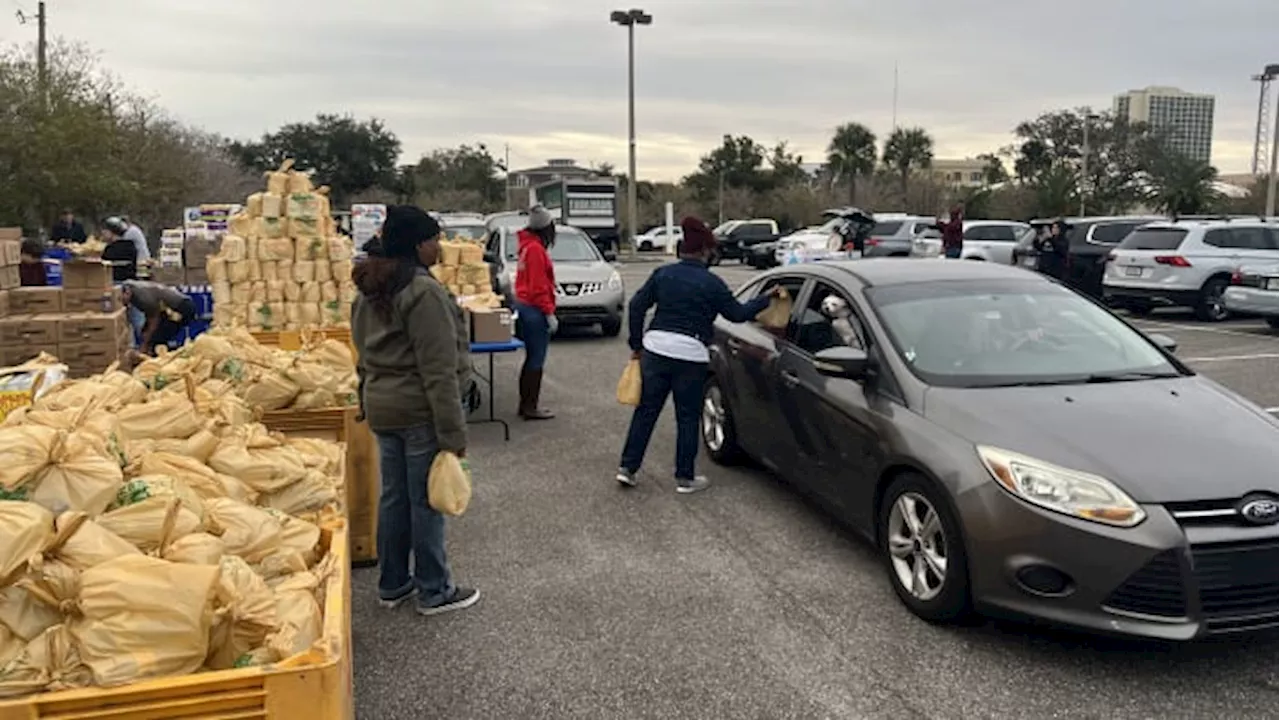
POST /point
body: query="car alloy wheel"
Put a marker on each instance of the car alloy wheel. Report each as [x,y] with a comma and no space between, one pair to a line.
[716,425]
[917,547]
[923,549]
[1212,307]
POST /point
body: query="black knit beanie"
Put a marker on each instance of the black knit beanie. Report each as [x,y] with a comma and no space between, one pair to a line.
[407,227]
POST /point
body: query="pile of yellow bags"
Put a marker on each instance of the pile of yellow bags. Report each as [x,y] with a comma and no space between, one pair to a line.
[234,375]
[152,528]
[282,265]
[462,269]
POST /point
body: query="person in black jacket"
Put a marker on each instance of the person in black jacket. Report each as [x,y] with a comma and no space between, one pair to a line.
[67,229]
[122,253]
[673,351]
[1054,251]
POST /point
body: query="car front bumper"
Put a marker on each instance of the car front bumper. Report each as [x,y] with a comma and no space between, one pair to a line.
[1252,301]
[605,306]
[1164,579]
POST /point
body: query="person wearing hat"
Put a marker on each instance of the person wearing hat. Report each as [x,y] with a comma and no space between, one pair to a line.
[120,251]
[673,354]
[535,300]
[164,311]
[410,348]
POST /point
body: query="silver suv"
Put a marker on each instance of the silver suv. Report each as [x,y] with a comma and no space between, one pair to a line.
[1186,263]
[894,234]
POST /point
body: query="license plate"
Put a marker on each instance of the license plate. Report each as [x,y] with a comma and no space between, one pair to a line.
[1133,271]
[1273,283]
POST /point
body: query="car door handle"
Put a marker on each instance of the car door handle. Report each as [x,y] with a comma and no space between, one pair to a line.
[790,379]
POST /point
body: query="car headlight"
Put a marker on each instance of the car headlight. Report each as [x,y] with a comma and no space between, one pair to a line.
[1070,492]
[615,281]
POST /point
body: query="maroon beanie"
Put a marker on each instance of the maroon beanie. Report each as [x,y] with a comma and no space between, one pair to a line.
[697,236]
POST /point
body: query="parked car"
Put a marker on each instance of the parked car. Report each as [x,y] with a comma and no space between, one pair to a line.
[1253,291]
[1089,241]
[589,290]
[1009,446]
[894,234]
[658,238]
[736,237]
[842,226]
[1186,263]
[989,240]
[467,226]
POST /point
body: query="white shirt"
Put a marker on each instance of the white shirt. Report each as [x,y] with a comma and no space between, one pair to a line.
[676,346]
[134,234]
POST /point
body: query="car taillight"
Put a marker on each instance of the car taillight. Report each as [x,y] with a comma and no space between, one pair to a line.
[1111,256]
[1173,260]
[1237,278]
[872,241]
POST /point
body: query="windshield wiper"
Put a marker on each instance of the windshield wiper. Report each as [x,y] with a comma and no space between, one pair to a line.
[1128,376]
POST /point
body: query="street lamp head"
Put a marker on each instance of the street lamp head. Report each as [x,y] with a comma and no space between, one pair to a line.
[620,17]
[634,16]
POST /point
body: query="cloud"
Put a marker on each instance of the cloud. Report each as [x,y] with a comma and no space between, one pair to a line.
[549,78]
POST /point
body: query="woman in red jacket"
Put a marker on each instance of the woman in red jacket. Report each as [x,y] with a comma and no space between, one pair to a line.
[536,307]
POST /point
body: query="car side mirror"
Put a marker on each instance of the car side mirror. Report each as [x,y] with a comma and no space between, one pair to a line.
[490,258]
[610,256]
[1165,342]
[842,362]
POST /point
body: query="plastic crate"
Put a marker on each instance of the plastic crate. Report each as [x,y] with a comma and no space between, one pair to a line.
[361,473]
[315,685]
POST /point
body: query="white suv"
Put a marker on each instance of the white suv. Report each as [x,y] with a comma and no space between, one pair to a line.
[990,240]
[1186,263]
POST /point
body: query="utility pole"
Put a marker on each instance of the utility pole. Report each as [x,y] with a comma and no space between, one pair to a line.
[1084,163]
[1272,179]
[720,197]
[42,60]
[631,18]
[506,176]
[1265,81]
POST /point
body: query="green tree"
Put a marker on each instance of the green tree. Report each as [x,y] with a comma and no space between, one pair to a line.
[737,163]
[908,150]
[785,167]
[468,170]
[1180,185]
[348,155]
[851,155]
[993,171]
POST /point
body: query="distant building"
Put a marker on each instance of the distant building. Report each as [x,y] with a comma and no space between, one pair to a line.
[555,169]
[1187,116]
[959,173]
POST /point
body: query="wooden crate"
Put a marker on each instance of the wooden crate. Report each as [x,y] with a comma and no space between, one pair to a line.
[315,685]
[292,339]
[362,480]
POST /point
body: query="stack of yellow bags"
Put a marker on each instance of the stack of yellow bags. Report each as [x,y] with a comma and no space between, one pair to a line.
[462,269]
[283,266]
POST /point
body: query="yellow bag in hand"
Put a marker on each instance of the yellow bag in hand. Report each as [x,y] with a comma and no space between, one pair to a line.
[629,384]
[449,484]
[778,314]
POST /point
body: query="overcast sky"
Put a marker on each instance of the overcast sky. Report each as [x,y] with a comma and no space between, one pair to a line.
[548,77]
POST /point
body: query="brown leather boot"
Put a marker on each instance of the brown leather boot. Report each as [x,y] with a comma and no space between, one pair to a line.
[529,409]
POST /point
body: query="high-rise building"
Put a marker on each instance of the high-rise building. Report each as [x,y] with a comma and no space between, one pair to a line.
[1187,117]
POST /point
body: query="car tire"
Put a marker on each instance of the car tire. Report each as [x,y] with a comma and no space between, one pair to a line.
[1139,308]
[715,425]
[646,246]
[907,547]
[611,328]
[1210,306]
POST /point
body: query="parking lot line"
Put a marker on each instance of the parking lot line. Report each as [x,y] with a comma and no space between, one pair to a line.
[1156,324]
[1232,358]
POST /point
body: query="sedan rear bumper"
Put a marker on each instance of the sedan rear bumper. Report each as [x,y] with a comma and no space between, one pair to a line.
[1252,301]
[1157,580]
[1157,296]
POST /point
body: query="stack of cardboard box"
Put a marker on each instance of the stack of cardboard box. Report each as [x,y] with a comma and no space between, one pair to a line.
[83,323]
[196,250]
[10,258]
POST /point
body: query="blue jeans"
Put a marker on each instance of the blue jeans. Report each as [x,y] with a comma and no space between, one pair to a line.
[536,334]
[661,376]
[406,523]
[953,252]
[136,321]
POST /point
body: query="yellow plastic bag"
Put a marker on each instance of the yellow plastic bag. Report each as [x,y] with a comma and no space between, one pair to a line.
[299,614]
[24,451]
[25,530]
[82,543]
[629,385]
[139,617]
[195,549]
[245,614]
[48,663]
[247,531]
[309,494]
[778,314]
[77,477]
[168,415]
[258,460]
[154,510]
[449,484]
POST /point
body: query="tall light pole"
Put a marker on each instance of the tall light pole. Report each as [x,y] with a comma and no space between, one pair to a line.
[631,18]
[1084,164]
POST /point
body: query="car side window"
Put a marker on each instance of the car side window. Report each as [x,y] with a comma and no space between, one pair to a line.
[826,321]
[975,233]
[1254,238]
[1221,238]
[1001,233]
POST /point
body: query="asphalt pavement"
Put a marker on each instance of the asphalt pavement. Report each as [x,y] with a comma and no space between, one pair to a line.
[744,601]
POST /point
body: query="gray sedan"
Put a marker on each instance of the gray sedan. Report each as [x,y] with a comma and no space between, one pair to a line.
[1009,446]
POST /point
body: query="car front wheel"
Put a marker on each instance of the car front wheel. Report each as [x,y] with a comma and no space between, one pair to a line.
[1211,307]
[923,550]
[719,436]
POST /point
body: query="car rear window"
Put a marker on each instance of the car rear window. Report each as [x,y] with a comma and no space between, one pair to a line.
[886,228]
[1112,233]
[1154,239]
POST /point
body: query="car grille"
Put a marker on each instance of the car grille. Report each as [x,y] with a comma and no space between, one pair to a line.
[575,289]
[1155,589]
[1239,584]
[1201,513]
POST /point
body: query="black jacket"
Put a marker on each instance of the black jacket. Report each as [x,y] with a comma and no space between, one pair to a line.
[73,232]
[123,255]
[1054,252]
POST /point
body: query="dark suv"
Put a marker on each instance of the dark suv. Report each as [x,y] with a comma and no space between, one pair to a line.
[1090,240]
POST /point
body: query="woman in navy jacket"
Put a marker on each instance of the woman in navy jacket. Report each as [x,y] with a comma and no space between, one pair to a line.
[673,351]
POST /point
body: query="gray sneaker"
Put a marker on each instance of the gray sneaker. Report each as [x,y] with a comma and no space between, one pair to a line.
[397,599]
[697,484]
[462,599]
[626,477]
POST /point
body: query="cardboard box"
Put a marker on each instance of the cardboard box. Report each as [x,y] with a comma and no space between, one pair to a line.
[99,301]
[197,276]
[11,330]
[93,356]
[98,328]
[4,303]
[10,278]
[42,330]
[168,275]
[17,354]
[10,252]
[36,300]
[86,276]
[197,250]
[11,233]
[491,326]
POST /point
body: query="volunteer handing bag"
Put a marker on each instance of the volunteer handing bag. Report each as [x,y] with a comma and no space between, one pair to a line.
[449,484]
[778,314]
[629,384]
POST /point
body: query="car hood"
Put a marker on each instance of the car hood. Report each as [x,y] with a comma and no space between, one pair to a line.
[1161,441]
[580,272]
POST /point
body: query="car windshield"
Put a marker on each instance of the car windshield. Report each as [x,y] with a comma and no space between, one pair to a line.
[725,228]
[573,246]
[1013,332]
[1148,238]
[887,228]
[466,232]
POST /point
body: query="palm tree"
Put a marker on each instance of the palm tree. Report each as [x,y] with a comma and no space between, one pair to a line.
[907,150]
[1180,185]
[852,154]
